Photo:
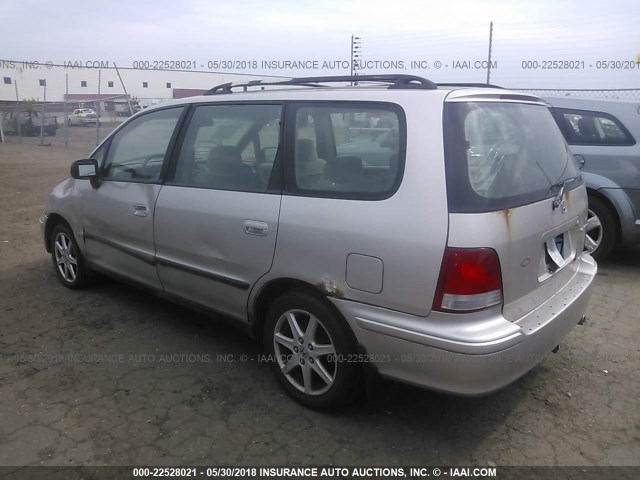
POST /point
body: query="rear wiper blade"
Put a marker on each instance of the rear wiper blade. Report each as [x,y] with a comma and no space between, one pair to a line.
[557,201]
[563,183]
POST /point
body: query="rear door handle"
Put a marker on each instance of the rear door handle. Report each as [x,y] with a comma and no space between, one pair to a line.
[255,227]
[140,210]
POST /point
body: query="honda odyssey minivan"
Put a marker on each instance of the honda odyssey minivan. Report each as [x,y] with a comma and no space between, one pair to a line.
[448,256]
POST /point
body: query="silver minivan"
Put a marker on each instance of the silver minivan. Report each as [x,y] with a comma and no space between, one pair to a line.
[433,234]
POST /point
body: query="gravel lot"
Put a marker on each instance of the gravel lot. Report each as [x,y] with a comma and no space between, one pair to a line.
[114,376]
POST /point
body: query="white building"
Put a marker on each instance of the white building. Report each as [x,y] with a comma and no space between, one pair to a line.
[78,80]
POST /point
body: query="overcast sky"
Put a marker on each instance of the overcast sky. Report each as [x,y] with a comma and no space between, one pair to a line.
[588,31]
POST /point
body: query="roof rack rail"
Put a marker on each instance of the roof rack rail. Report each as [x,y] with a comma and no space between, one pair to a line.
[394,81]
[475,85]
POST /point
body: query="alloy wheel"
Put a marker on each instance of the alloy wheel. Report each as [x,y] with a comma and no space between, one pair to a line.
[593,234]
[65,257]
[305,352]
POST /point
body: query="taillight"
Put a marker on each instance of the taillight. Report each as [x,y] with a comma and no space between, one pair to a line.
[469,280]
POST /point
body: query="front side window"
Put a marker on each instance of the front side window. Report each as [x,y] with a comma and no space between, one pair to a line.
[501,155]
[137,151]
[347,151]
[99,153]
[223,147]
[583,127]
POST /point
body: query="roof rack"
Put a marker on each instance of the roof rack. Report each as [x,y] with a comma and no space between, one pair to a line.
[394,81]
[475,85]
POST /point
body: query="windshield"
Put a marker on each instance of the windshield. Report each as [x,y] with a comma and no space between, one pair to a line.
[501,155]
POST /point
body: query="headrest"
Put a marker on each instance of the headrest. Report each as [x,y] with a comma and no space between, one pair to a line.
[587,128]
[225,160]
[306,151]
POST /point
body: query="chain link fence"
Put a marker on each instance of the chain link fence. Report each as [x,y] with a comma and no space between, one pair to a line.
[627,94]
[86,121]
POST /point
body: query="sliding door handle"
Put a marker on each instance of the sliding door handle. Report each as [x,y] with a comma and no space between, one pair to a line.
[140,210]
[255,227]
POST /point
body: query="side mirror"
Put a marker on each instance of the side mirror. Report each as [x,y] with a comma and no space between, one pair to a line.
[579,160]
[86,169]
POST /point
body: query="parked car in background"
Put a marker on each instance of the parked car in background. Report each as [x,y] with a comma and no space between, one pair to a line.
[604,134]
[82,117]
[31,122]
[455,262]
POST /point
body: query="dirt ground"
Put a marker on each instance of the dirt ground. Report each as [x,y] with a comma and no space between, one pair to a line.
[114,376]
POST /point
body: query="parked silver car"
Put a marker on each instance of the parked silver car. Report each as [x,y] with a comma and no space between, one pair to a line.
[457,264]
[604,134]
[82,117]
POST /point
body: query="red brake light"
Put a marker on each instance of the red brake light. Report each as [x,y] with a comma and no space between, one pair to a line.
[469,280]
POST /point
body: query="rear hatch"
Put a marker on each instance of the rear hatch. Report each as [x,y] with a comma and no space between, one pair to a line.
[514,187]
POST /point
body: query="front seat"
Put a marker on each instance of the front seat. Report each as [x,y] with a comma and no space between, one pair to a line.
[588,130]
[227,171]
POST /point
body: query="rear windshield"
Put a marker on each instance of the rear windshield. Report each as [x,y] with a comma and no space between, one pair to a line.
[502,155]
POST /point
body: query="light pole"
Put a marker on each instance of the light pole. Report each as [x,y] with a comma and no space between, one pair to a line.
[356,53]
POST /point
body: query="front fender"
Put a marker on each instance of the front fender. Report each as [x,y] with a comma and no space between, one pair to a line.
[65,201]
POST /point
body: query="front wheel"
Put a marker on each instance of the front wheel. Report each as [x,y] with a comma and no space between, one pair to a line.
[309,347]
[68,262]
[601,234]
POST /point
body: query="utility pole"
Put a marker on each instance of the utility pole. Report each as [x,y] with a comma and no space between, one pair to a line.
[18,113]
[123,88]
[44,86]
[66,115]
[490,45]
[356,47]
[98,110]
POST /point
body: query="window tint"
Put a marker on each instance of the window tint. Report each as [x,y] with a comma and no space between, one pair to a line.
[585,127]
[501,155]
[347,151]
[221,150]
[138,150]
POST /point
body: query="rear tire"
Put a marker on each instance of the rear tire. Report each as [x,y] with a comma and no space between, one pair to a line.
[601,235]
[68,262]
[308,345]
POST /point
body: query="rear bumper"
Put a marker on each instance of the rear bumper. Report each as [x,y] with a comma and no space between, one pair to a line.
[473,354]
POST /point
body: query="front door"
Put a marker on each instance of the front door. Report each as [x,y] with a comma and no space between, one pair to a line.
[118,214]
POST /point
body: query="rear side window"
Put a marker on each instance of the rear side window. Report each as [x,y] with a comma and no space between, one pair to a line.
[230,147]
[582,127]
[347,150]
[502,155]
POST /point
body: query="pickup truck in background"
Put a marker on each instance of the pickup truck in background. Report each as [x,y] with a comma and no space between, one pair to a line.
[30,123]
